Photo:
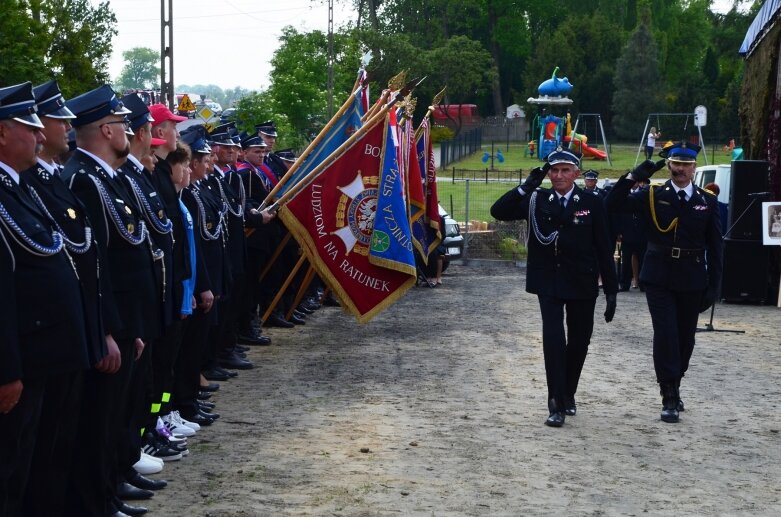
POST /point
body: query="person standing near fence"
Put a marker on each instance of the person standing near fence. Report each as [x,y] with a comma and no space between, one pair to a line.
[569,248]
[650,142]
[682,269]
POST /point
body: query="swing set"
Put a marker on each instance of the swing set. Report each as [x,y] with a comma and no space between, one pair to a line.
[684,134]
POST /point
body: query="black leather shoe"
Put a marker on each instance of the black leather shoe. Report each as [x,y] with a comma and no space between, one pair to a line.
[670,400]
[213,374]
[679,406]
[132,493]
[139,481]
[207,405]
[331,301]
[570,409]
[555,419]
[297,320]
[241,348]
[211,387]
[302,308]
[198,418]
[127,509]
[210,416]
[275,319]
[252,337]
[311,304]
[229,373]
[204,395]
[237,363]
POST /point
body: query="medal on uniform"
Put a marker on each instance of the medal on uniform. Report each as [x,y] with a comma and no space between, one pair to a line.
[209,226]
[127,209]
[71,213]
[160,213]
[131,227]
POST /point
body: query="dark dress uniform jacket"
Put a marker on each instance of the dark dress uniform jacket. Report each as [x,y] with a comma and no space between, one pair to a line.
[698,235]
[262,237]
[569,267]
[231,190]
[156,215]
[42,328]
[70,218]
[130,302]
[205,206]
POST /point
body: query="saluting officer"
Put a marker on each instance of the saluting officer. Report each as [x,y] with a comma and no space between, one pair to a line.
[569,248]
[43,342]
[682,267]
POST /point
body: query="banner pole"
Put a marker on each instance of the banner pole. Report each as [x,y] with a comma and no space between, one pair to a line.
[282,289]
[274,257]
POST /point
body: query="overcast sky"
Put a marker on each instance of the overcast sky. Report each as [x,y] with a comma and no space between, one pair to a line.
[225,42]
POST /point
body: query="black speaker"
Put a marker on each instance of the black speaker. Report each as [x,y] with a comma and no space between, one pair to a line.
[747,177]
[746,276]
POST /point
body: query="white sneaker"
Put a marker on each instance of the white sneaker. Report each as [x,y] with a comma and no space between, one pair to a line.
[147,465]
[151,458]
[181,421]
[177,427]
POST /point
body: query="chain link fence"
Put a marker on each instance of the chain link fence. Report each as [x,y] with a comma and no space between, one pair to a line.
[468,196]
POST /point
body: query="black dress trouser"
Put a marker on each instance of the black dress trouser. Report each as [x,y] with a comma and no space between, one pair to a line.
[565,353]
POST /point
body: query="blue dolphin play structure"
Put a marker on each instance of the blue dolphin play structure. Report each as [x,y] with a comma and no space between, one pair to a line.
[555,87]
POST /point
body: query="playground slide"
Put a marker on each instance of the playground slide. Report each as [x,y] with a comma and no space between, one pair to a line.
[599,154]
[588,151]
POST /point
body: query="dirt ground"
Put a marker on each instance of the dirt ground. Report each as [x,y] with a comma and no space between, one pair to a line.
[436,408]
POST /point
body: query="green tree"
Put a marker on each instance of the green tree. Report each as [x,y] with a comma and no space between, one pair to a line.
[141,70]
[78,38]
[21,53]
[637,82]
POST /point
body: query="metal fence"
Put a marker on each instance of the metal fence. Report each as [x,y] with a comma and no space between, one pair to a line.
[469,202]
[466,143]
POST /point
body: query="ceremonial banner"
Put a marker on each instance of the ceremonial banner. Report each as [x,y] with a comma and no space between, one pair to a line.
[391,243]
[333,219]
[413,180]
[336,135]
[425,230]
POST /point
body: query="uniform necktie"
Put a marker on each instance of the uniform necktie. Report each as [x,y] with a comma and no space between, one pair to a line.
[682,197]
[563,201]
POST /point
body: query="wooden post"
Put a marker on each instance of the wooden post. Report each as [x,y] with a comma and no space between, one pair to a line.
[282,289]
[274,257]
[310,274]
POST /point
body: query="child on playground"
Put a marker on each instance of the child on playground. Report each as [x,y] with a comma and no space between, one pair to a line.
[650,143]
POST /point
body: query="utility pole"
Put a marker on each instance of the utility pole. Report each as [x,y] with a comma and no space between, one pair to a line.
[167,95]
[330,58]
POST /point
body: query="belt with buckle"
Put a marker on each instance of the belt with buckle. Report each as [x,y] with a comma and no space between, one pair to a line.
[676,253]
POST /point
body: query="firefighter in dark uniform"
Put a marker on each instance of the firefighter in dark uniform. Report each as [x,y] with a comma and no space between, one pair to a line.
[268,132]
[130,302]
[682,267]
[590,178]
[43,341]
[569,248]
[261,235]
[66,212]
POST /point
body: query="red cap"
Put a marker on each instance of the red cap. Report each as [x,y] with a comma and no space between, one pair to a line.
[157,142]
[161,113]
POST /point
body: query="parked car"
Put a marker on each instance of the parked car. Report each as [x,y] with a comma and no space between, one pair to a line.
[215,107]
[718,174]
[452,240]
[227,115]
